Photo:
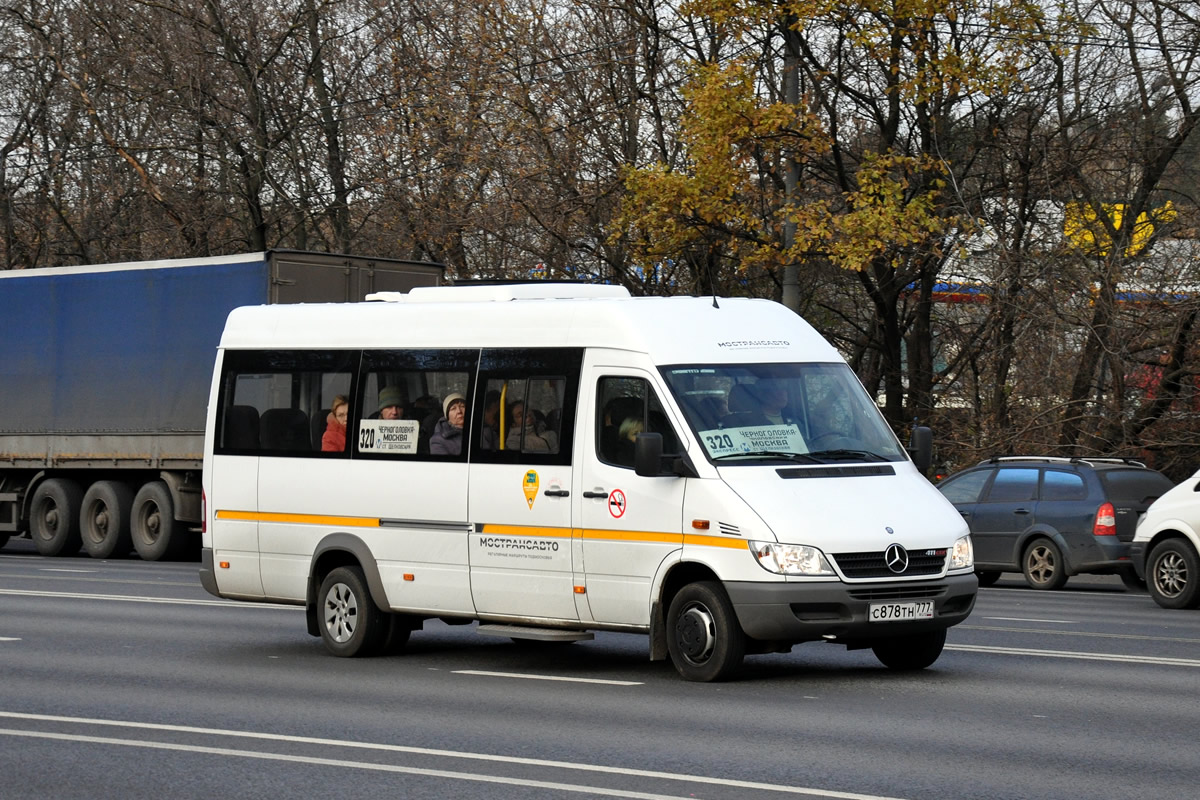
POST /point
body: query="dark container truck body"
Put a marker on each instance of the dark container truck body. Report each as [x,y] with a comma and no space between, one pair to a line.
[104,377]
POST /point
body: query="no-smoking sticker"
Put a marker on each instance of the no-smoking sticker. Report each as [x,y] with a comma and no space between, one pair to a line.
[616,503]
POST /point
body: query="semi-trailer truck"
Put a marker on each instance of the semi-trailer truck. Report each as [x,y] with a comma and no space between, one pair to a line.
[104,379]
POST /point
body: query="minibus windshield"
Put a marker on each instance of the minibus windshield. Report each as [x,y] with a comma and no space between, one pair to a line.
[806,413]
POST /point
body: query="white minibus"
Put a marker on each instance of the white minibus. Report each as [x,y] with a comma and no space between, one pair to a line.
[551,460]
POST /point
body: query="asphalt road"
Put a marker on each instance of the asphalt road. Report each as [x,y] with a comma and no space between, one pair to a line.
[123,679]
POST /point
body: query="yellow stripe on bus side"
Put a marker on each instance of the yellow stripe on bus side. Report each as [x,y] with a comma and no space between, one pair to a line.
[497,530]
[630,536]
[714,541]
[299,519]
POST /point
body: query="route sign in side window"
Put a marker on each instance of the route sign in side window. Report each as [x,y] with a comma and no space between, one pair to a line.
[406,396]
[626,407]
[524,411]
[278,402]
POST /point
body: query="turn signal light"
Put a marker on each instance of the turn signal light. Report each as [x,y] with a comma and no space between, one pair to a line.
[224,565]
[1106,521]
[580,590]
[700,524]
[408,576]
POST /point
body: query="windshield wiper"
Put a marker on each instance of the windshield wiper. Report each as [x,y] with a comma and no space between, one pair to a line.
[847,455]
[801,458]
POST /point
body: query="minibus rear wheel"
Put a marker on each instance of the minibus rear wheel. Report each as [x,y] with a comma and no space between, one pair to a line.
[351,624]
[704,638]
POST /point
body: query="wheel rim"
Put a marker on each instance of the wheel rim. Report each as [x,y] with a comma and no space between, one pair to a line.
[96,528]
[341,613]
[695,633]
[1170,575]
[1040,564]
[151,523]
[49,515]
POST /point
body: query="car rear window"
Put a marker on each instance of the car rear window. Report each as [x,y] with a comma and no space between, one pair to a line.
[1134,485]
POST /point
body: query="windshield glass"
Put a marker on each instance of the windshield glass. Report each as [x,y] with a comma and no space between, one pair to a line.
[807,413]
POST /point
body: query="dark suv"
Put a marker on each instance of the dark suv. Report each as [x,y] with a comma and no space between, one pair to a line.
[1051,518]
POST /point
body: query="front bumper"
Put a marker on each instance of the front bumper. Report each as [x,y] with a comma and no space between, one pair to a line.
[805,612]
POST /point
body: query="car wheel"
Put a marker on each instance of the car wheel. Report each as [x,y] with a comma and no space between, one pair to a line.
[1173,574]
[908,653]
[54,517]
[988,577]
[1043,565]
[704,638]
[351,625]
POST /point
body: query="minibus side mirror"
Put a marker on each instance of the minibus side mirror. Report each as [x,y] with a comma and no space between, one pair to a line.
[647,455]
[920,447]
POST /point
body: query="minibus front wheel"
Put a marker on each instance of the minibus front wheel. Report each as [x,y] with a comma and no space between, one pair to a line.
[704,638]
[351,624]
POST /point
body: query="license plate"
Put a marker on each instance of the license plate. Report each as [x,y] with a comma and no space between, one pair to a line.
[900,612]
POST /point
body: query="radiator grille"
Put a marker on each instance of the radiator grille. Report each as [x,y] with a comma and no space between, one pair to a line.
[874,565]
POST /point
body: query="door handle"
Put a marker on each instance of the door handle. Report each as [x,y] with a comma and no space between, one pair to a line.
[965,514]
[556,493]
[1021,511]
[595,495]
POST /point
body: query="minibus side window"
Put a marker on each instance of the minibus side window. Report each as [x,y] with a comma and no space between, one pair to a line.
[404,400]
[524,411]
[626,407]
[279,402]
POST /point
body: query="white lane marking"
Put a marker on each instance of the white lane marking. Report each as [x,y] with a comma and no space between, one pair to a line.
[135,599]
[1024,619]
[9,639]
[532,677]
[336,762]
[1019,651]
[424,751]
[1086,634]
[60,569]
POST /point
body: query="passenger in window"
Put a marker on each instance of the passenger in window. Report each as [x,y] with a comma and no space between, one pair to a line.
[334,439]
[447,436]
[392,403]
[489,436]
[524,433]
[626,439]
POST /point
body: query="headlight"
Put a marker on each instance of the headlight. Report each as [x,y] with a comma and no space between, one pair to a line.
[963,554]
[790,559]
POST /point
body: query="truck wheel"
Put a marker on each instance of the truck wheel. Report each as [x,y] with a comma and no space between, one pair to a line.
[704,638]
[104,519]
[1173,574]
[907,653]
[152,523]
[54,517]
[350,623]
[1043,565]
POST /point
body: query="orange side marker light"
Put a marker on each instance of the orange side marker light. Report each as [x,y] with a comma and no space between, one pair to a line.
[700,524]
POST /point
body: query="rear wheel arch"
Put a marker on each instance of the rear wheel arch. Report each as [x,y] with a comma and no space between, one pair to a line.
[341,550]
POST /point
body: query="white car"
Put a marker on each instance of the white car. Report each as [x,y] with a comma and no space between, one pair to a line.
[1166,548]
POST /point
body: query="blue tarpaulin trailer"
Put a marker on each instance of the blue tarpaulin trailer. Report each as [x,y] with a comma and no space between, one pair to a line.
[104,378]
